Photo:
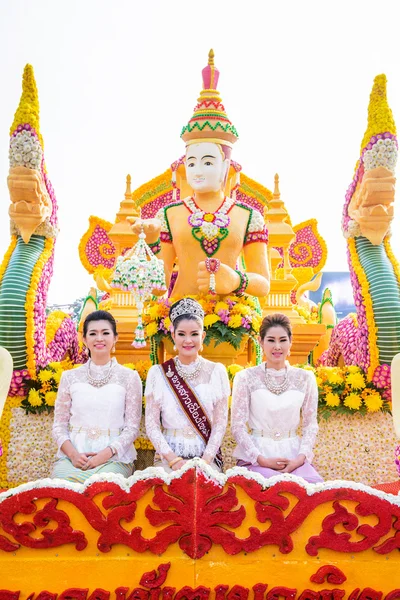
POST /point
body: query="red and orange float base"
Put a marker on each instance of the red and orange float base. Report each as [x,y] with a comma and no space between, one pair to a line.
[197,536]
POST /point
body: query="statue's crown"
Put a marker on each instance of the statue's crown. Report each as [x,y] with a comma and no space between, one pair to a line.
[186,306]
[209,121]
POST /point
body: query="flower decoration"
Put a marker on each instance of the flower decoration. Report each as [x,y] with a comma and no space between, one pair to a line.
[42,389]
[141,272]
[96,248]
[309,248]
[229,320]
[347,390]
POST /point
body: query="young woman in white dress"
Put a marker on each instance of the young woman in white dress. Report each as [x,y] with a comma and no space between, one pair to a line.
[98,409]
[195,424]
[268,403]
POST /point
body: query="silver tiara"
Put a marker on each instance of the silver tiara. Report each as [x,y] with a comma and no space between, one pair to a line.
[187,306]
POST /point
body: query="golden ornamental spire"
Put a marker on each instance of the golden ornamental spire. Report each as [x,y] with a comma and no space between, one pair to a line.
[277,193]
[28,108]
[211,58]
[128,192]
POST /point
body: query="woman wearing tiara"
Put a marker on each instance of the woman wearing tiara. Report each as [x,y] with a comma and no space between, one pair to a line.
[98,409]
[268,400]
[187,396]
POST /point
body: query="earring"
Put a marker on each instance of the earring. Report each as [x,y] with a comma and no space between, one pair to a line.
[174,348]
[288,353]
[201,348]
[113,350]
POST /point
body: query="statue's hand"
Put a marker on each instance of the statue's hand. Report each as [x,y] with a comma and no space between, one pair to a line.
[151,228]
[226,279]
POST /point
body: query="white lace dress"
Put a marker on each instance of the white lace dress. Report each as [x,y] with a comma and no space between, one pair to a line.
[93,418]
[266,423]
[168,426]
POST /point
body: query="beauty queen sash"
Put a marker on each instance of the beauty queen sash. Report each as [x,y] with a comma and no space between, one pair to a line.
[190,403]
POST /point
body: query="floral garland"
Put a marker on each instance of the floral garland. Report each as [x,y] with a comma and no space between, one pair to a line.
[228,320]
[367,301]
[347,390]
[31,298]
[7,256]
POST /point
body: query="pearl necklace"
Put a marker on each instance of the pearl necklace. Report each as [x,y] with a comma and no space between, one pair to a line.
[276,388]
[188,371]
[101,380]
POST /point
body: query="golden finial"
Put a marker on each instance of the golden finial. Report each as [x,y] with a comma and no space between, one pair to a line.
[211,58]
[128,192]
[277,193]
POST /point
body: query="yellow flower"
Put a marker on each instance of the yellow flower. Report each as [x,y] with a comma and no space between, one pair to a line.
[151,329]
[50,398]
[353,369]
[142,367]
[235,321]
[248,301]
[373,402]
[221,306]
[241,309]
[167,323]
[233,369]
[332,399]
[34,398]
[255,323]
[45,376]
[54,365]
[210,320]
[334,378]
[352,401]
[153,312]
[129,366]
[356,380]
[319,381]
[57,376]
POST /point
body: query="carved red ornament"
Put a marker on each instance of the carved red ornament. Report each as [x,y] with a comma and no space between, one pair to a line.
[329,574]
[196,512]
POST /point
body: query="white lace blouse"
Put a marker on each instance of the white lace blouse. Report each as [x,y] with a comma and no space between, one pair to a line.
[162,408]
[273,419]
[93,418]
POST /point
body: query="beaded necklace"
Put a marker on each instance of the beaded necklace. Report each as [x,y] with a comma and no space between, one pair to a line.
[209,228]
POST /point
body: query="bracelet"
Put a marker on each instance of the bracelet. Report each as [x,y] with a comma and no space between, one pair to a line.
[113,453]
[174,461]
[244,282]
[155,247]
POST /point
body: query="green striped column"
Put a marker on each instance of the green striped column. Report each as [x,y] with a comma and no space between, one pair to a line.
[13,289]
[385,295]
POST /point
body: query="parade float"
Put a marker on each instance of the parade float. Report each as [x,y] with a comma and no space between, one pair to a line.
[194,534]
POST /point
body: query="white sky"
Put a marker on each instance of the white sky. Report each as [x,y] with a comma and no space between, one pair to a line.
[118,80]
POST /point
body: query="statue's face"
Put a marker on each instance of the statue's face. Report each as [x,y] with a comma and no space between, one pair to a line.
[205,167]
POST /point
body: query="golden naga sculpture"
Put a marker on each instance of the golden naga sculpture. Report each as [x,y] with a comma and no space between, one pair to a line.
[206,231]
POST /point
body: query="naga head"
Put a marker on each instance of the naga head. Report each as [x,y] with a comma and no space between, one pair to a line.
[33,209]
[368,210]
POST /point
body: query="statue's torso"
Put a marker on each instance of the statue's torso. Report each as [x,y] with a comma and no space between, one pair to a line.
[189,251]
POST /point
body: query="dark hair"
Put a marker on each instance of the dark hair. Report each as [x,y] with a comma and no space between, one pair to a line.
[99,315]
[188,317]
[275,320]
